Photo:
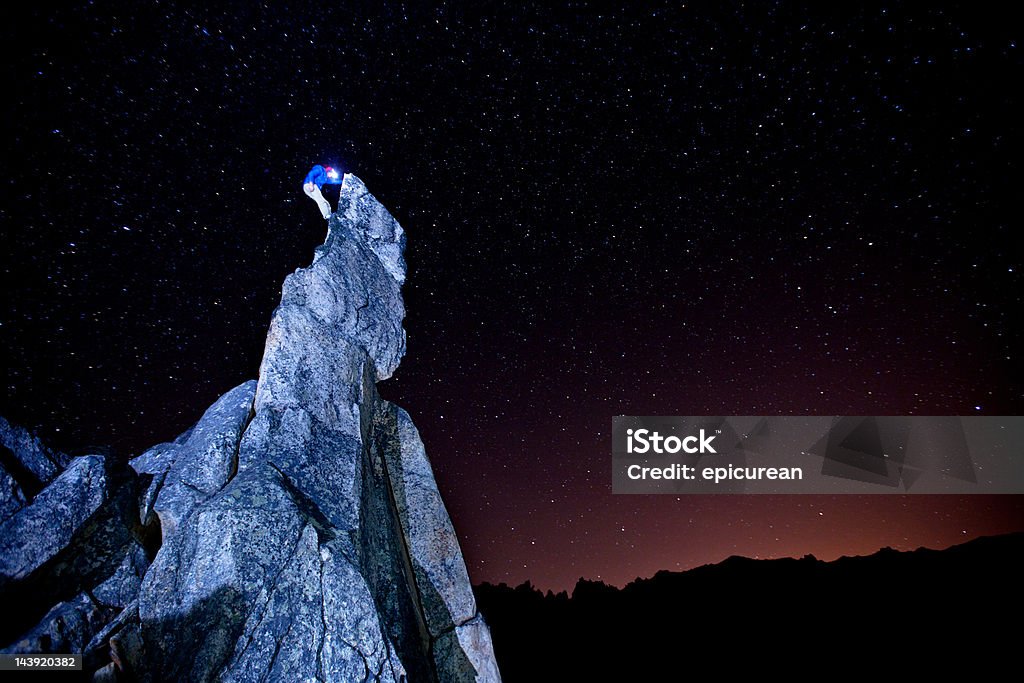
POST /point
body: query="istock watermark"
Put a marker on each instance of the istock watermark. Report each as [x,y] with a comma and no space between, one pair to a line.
[644,441]
[818,454]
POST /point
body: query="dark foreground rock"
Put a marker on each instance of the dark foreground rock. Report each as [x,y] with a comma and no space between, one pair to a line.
[294,533]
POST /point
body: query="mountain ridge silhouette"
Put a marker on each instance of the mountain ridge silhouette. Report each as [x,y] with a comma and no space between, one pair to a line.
[888,609]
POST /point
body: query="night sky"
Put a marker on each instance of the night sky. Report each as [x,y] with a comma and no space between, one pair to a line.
[721,208]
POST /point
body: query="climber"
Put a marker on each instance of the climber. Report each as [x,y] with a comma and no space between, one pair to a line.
[317,177]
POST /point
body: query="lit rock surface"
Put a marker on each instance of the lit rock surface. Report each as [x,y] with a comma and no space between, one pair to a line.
[294,533]
[199,464]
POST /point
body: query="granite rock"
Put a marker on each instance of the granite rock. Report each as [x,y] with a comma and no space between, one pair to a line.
[295,532]
[190,470]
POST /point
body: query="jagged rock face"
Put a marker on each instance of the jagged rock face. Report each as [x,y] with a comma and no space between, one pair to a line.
[303,535]
[26,466]
[187,472]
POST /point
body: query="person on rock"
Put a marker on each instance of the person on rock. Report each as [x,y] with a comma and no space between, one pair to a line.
[317,177]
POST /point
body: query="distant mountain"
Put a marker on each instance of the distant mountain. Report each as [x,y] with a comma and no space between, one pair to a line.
[886,613]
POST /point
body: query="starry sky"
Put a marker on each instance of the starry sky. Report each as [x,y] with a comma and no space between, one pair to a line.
[669,209]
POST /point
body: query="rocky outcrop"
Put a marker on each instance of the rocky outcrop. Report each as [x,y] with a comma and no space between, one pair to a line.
[294,533]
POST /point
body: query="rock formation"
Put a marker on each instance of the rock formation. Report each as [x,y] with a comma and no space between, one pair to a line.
[294,533]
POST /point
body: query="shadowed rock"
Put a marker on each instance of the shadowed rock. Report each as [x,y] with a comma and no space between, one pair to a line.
[39,532]
[26,466]
[77,534]
[12,498]
[27,459]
